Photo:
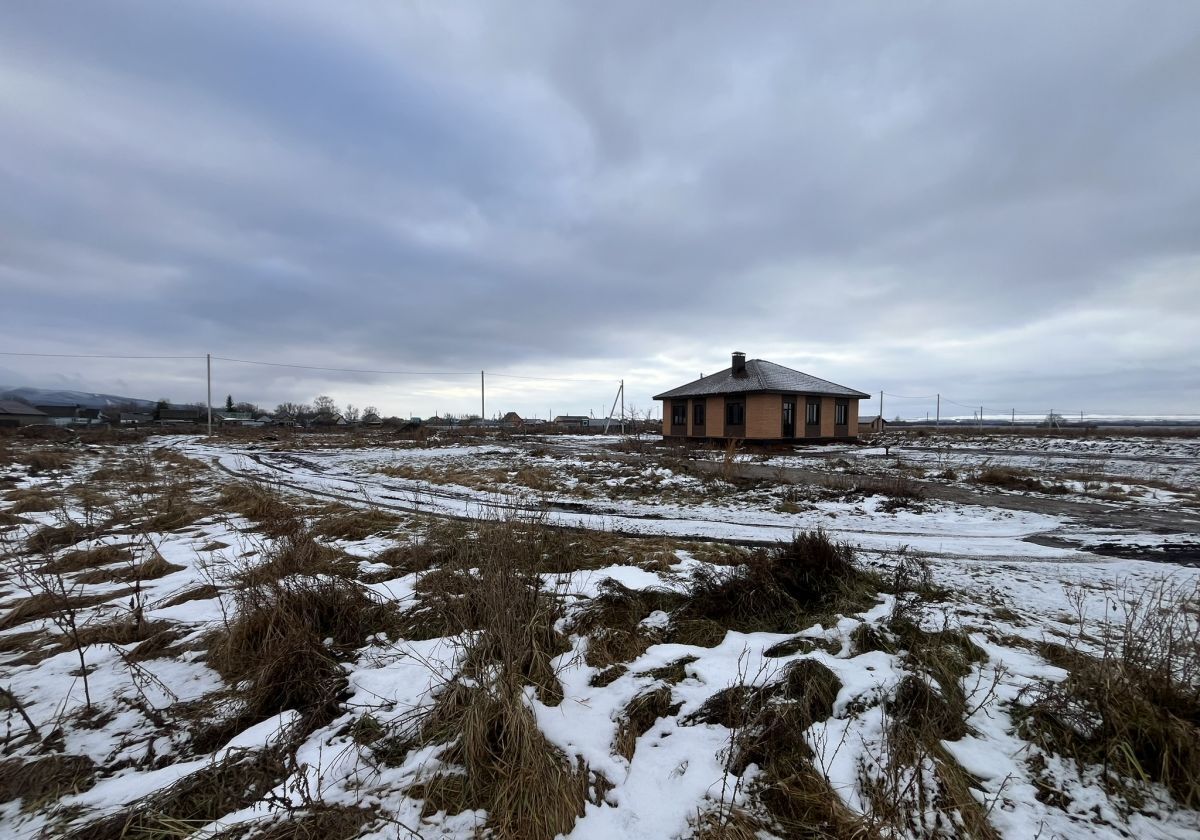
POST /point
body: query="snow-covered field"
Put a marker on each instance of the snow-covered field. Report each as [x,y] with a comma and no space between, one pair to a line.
[107,666]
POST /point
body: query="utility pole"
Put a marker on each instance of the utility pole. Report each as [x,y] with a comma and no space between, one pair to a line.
[938,422]
[482,415]
[623,407]
[981,419]
[1014,417]
[881,405]
[208,370]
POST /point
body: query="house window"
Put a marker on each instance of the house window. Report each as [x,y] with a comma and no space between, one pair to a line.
[812,413]
[698,413]
[679,413]
[735,413]
[841,413]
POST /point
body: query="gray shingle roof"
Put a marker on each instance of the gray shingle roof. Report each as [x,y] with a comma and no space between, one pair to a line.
[14,407]
[761,376]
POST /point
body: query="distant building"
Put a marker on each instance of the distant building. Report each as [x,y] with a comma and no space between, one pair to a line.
[372,419]
[14,413]
[176,415]
[130,418]
[236,418]
[73,415]
[872,425]
[512,420]
[570,421]
[326,420]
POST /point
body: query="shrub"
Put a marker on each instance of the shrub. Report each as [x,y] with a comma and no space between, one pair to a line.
[1133,706]
[276,642]
[779,590]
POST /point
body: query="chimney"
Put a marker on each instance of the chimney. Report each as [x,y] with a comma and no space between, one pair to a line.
[739,363]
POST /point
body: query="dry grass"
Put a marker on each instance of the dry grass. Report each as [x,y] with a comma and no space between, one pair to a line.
[529,789]
[194,801]
[88,559]
[131,571]
[351,524]
[295,552]
[124,632]
[1132,707]
[31,501]
[767,727]
[318,822]
[258,504]
[10,520]
[51,537]
[505,766]
[781,590]
[1015,478]
[46,604]
[47,460]
[612,621]
[43,780]
[197,593]
[639,715]
[276,642]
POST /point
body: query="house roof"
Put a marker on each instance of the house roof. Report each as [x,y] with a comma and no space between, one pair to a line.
[179,413]
[761,375]
[59,410]
[15,407]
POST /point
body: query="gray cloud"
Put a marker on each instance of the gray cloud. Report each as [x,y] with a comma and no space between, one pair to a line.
[998,203]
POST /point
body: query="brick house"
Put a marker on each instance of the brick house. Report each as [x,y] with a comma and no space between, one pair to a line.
[757,400]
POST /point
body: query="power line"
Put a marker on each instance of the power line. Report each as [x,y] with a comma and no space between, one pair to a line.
[320,368]
[548,378]
[352,370]
[92,356]
[902,397]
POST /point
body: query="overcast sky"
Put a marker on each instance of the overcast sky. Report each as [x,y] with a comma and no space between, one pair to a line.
[998,202]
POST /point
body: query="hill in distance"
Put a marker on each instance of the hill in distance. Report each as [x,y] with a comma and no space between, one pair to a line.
[47,396]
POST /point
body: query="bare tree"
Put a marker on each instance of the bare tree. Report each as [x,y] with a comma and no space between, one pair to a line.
[324,405]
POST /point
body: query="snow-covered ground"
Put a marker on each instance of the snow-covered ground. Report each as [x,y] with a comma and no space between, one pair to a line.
[1007,592]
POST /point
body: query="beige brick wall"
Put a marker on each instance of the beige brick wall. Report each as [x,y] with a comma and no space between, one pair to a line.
[764,416]
[852,426]
[827,404]
[715,417]
[666,417]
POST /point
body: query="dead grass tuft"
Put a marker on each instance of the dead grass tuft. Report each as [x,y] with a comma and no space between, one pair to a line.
[351,524]
[47,460]
[1015,478]
[258,504]
[1133,706]
[529,789]
[503,764]
[88,558]
[153,568]
[780,590]
[31,501]
[44,780]
[212,792]
[319,822]
[117,633]
[275,643]
[639,715]
[767,726]
[295,552]
[46,604]
[196,593]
